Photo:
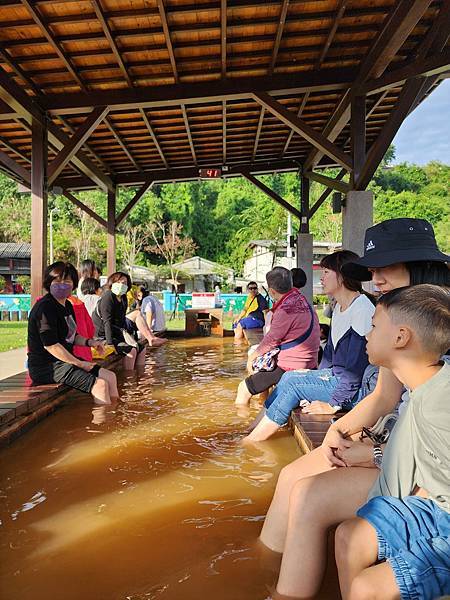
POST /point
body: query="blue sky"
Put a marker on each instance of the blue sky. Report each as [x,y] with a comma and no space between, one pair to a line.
[425,134]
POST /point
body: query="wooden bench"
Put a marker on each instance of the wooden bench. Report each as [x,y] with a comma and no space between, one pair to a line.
[253,336]
[310,430]
[23,404]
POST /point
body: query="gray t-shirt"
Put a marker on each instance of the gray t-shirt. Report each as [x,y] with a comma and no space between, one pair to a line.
[417,453]
[150,303]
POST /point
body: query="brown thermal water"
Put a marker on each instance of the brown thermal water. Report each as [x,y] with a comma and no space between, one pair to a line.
[153,499]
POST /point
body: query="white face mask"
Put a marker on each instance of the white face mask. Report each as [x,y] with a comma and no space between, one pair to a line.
[119,289]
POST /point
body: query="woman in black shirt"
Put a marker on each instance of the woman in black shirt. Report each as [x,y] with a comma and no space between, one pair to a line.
[52,335]
[111,323]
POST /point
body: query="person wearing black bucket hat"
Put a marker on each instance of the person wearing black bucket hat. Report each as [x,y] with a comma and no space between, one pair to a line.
[313,493]
[399,242]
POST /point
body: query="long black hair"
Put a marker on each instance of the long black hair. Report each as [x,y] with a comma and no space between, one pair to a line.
[436,273]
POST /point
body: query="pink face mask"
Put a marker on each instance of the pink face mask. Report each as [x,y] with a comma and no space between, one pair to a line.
[60,291]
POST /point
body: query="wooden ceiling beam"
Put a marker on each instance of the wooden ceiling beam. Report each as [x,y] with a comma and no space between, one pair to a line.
[223,37]
[121,143]
[153,136]
[188,131]
[21,172]
[258,132]
[334,184]
[85,208]
[224,132]
[325,194]
[431,65]
[291,132]
[165,26]
[404,16]
[75,143]
[278,199]
[278,36]
[200,93]
[109,36]
[132,203]
[303,129]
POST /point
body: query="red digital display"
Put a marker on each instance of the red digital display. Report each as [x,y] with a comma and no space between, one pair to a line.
[210,173]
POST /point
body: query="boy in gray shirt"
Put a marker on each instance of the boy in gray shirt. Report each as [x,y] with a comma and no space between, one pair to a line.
[399,544]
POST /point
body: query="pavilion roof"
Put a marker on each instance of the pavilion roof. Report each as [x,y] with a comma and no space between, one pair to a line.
[165,87]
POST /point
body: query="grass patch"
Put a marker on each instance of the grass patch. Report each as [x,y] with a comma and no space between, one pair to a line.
[13,334]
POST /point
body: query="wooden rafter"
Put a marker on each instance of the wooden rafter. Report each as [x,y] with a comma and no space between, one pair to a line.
[15,168]
[358,135]
[109,35]
[334,184]
[153,136]
[76,142]
[304,130]
[223,37]
[412,92]
[325,194]
[258,131]
[165,26]
[291,132]
[431,65]
[281,201]
[132,203]
[278,36]
[224,132]
[404,16]
[121,143]
[335,24]
[85,208]
[188,131]
[72,130]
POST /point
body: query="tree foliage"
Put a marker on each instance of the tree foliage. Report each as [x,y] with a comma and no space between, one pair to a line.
[221,217]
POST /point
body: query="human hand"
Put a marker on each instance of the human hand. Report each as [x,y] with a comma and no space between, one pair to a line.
[319,408]
[99,345]
[358,454]
[333,442]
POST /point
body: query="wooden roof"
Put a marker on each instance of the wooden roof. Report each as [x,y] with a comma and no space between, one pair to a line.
[174,81]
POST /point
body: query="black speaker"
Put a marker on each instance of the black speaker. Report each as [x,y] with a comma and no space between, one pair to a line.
[336,203]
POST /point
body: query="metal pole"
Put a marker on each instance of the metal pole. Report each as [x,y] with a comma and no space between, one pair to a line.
[51,234]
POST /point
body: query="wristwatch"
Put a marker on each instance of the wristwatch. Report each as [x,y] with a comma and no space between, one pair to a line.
[86,342]
[377,456]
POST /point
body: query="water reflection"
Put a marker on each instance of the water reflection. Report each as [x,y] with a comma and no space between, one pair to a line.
[159,482]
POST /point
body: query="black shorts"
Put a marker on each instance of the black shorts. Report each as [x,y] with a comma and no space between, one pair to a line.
[70,375]
[263,380]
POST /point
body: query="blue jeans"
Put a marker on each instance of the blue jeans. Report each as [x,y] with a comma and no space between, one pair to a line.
[414,537]
[295,386]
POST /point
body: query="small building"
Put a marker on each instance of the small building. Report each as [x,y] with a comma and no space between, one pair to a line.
[267,254]
[203,275]
[15,260]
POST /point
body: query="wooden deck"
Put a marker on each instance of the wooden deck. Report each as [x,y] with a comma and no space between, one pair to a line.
[310,430]
[23,404]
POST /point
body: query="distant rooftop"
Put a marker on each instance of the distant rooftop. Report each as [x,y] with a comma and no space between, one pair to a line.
[15,250]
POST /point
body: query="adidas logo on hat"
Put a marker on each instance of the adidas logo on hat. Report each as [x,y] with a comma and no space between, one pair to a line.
[370,246]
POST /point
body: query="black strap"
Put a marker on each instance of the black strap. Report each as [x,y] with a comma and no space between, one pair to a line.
[304,336]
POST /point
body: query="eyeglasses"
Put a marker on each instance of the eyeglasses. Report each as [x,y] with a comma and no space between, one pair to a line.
[252,288]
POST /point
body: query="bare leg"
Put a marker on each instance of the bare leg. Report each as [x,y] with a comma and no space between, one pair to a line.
[273,533]
[316,504]
[243,395]
[144,329]
[263,430]
[238,333]
[111,379]
[100,391]
[130,359]
[375,583]
[356,549]
[140,360]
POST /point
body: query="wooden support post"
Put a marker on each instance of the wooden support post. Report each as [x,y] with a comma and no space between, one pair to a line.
[111,234]
[358,136]
[38,207]
[304,250]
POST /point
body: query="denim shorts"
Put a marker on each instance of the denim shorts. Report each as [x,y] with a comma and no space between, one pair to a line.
[414,538]
[249,323]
